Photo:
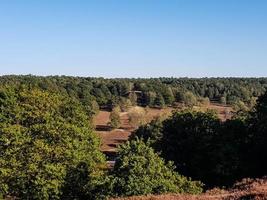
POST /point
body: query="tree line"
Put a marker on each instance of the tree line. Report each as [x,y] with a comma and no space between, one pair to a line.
[154,92]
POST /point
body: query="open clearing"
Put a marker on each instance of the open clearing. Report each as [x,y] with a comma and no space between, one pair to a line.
[112,138]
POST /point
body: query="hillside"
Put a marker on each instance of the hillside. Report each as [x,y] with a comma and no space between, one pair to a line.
[112,138]
[247,189]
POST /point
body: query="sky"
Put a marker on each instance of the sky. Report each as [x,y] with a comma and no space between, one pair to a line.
[134,38]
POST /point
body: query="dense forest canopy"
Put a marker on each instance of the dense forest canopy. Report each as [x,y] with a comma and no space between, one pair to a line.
[153,92]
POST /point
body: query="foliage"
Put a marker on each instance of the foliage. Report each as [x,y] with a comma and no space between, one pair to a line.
[189,99]
[159,101]
[186,140]
[202,147]
[49,151]
[137,116]
[139,171]
[150,133]
[258,128]
[109,92]
[115,118]
[125,104]
[205,101]
[42,136]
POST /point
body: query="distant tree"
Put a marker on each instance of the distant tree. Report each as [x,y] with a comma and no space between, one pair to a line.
[223,100]
[115,118]
[178,95]
[140,171]
[168,95]
[205,101]
[189,99]
[112,103]
[133,98]
[159,101]
[125,104]
[150,98]
[137,116]
[240,106]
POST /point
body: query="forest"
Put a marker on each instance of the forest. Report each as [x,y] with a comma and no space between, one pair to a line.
[153,92]
[49,148]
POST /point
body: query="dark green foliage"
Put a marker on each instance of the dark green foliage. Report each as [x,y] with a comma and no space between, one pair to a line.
[108,92]
[42,136]
[202,147]
[81,184]
[258,126]
[150,133]
[159,101]
[187,139]
[230,153]
[140,171]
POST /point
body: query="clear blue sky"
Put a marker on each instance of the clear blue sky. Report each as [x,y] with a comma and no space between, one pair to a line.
[134,38]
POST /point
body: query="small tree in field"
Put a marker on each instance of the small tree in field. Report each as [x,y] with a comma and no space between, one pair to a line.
[189,99]
[137,116]
[133,98]
[115,118]
[205,101]
[223,100]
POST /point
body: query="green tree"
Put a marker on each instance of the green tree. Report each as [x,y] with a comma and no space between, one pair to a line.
[159,101]
[187,140]
[125,104]
[42,135]
[137,116]
[150,133]
[205,101]
[223,100]
[258,126]
[140,171]
[168,95]
[133,98]
[189,99]
[115,118]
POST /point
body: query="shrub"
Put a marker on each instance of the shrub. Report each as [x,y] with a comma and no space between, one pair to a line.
[42,136]
[140,171]
[115,118]
[137,116]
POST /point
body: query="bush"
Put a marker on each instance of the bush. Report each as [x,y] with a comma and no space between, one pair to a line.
[140,171]
[150,133]
[137,116]
[115,118]
[189,99]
